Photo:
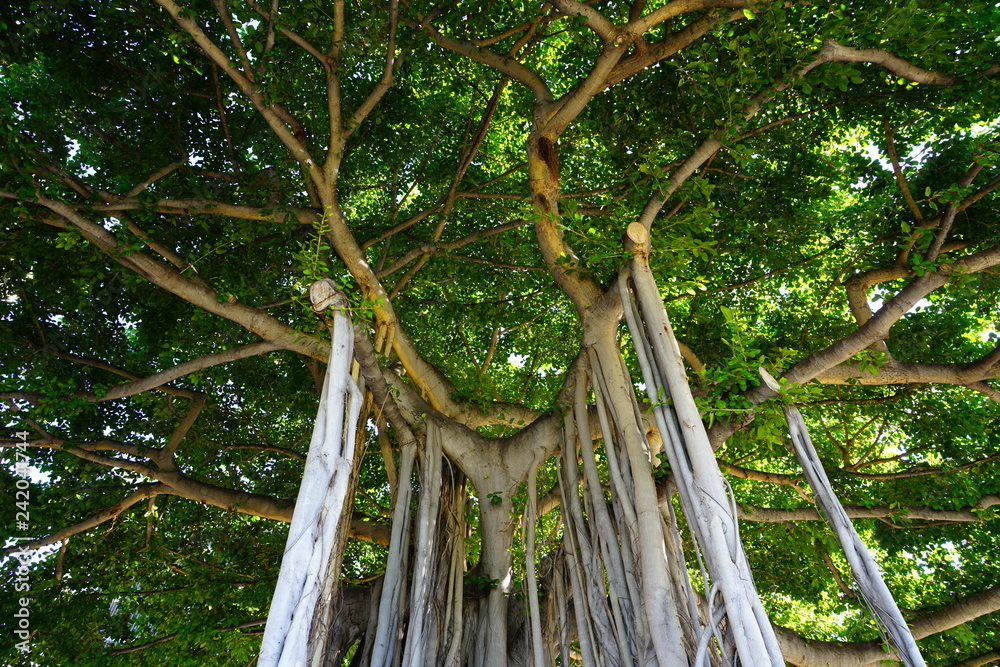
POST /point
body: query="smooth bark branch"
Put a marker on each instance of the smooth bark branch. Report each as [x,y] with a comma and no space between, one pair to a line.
[948,217]
[836,52]
[877,328]
[438,388]
[271,17]
[184,426]
[196,292]
[803,652]
[594,19]
[385,81]
[666,47]
[402,226]
[277,119]
[186,368]
[857,287]
[143,491]
[433,248]
[986,389]
[979,660]
[958,613]
[760,475]
[155,176]
[831,51]
[375,382]
[194,206]
[253,504]
[772,515]
[103,365]
[221,6]
[896,372]
[328,186]
[677,8]
[971,199]
[904,187]
[154,245]
[503,63]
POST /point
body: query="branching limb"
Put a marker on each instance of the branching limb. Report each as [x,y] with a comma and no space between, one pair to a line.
[154,245]
[405,224]
[503,63]
[271,18]
[593,19]
[666,47]
[227,21]
[895,372]
[835,571]
[196,292]
[876,328]
[948,217]
[760,475]
[770,515]
[432,248]
[188,367]
[385,81]
[904,187]
[162,172]
[193,206]
[142,492]
[183,427]
[958,613]
[280,121]
[831,51]
[86,452]
[677,8]
[986,389]
[103,365]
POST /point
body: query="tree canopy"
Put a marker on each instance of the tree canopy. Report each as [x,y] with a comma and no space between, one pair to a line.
[818,183]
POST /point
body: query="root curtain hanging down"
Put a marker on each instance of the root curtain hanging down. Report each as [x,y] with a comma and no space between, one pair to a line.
[300,618]
[616,592]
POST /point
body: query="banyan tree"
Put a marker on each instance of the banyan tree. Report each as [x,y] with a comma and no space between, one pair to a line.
[501,333]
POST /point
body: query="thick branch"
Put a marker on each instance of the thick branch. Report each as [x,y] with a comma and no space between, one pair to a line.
[194,291]
[186,368]
[836,52]
[432,248]
[277,119]
[666,47]
[979,660]
[771,515]
[677,8]
[143,491]
[503,63]
[895,372]
[831,51]
[958,613]
[193,206]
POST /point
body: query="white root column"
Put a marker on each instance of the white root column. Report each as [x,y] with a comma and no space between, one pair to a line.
[299,620]
[701,486]
[866,572]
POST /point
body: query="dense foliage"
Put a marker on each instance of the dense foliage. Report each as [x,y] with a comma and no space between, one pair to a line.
[173,178]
